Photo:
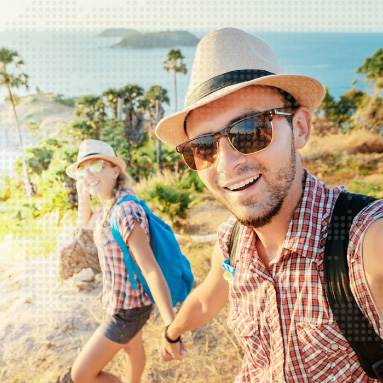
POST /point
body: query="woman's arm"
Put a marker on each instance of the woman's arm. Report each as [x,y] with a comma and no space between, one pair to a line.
[144,257]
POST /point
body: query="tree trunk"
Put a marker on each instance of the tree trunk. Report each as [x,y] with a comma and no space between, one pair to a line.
[159,143]
[128,126]
[175,92]
[28,186]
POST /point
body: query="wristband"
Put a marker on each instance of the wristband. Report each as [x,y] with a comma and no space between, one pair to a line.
[168,339]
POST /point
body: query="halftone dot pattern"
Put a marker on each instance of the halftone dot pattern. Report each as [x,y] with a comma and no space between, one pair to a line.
[63,53]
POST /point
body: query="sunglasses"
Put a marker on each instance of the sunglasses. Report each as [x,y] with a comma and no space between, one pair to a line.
[248,135]
[94,168]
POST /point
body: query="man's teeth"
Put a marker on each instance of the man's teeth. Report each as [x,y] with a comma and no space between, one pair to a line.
[243,183]
[93,183]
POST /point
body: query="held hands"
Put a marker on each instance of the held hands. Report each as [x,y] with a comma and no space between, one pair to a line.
[169,350]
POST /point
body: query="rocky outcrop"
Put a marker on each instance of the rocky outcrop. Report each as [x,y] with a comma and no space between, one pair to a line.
[80,253]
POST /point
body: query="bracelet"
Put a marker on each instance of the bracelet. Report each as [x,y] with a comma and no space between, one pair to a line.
[168,339]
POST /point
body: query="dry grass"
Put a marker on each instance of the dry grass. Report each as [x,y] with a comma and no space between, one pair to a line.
[358,141]
[347,159]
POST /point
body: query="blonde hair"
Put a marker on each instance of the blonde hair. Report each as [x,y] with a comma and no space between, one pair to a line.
[123,181]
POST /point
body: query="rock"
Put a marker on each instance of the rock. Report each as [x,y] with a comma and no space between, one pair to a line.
[84,279]
[85,275]
[98,279]
[65,378]
[80,253]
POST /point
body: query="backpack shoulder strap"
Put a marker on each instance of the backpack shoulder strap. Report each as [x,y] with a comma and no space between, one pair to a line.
[354,326]
[130,265]
[233,242]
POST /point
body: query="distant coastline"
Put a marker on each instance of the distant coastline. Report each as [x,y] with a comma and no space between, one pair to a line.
[132,39]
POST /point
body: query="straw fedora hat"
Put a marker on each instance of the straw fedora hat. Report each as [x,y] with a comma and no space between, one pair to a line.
[95,149]
[230,59]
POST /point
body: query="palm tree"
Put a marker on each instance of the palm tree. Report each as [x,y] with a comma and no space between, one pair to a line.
[11,80]
[153,98]
[175,63]
[92,109]
[155,94]
[134,118]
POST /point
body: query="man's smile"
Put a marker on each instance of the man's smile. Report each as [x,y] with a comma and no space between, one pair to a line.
[243,184]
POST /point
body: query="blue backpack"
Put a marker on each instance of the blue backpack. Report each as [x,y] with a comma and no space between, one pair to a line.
[174,265]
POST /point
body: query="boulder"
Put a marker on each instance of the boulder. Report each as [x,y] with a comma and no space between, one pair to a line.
[78,254]
[84,279]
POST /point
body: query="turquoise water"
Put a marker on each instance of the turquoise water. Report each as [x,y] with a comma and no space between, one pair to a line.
[76,63]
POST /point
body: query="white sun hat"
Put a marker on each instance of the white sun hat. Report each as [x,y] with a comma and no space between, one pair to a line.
[230,59]
[95,149]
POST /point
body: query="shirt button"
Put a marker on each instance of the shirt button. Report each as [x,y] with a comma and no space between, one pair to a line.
[334,346]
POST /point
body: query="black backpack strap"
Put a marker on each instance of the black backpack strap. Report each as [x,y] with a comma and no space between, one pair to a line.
[234,235]
[354,326]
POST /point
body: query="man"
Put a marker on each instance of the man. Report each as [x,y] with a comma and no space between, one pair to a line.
[242,127]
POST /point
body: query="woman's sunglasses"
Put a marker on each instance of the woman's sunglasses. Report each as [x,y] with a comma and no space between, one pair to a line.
[94,168]
[248,135]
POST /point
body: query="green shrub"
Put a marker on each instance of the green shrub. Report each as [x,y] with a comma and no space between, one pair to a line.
[169,193]
[192,180]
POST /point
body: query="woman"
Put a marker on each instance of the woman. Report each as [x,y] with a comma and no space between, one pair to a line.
[101,174]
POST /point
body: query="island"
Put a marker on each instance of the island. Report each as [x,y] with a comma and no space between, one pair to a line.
[164,39]
[118,32]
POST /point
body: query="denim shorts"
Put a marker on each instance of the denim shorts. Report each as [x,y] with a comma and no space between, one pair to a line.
[122,327]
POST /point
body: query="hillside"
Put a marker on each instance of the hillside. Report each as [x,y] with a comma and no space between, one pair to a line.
[45,110]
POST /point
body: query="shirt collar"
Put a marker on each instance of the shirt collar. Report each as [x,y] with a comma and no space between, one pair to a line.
[123,193]
[311,217]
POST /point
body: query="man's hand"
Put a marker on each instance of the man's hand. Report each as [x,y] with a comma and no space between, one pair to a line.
[171,351]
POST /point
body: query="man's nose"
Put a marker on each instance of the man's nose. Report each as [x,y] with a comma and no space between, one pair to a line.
[228,157]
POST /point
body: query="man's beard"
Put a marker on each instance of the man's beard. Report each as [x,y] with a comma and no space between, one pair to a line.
[278,188]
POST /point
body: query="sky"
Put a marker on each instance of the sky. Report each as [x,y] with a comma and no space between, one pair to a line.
[193,15]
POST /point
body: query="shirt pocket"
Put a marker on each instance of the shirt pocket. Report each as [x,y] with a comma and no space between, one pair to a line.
[325,352]
[246,330]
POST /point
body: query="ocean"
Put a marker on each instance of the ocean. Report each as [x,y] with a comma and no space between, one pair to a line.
[75,64]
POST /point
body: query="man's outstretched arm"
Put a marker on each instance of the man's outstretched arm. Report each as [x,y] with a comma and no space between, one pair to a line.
[373,262]
[203,304]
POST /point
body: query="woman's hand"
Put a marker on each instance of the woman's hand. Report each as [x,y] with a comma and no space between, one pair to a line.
[86,218]
[82,191]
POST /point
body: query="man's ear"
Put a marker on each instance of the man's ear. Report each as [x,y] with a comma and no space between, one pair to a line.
[302,126]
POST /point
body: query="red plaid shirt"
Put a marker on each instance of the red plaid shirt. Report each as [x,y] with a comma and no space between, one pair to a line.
[117,291]
[281,317]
